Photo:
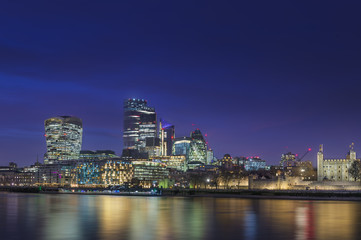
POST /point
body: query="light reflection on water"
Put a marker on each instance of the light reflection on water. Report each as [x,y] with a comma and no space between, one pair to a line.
[55,216]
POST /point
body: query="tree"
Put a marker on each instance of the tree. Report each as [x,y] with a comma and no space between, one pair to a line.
[355,170]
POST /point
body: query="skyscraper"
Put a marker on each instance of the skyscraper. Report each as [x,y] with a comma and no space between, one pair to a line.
[140,123]
[198,147]
[63,138]
[166,135]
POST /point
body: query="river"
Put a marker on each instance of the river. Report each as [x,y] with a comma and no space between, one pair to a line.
[68,216]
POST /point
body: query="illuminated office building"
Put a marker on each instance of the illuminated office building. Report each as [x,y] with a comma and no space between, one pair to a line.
[254,164]
[174,162]
[198,147]
[210,156]
[166,135]
[89,172]
[63,138]
[149,172]
[59,173]
[117,172]
[140,123]
[152,147]
[106,172]
[181,146]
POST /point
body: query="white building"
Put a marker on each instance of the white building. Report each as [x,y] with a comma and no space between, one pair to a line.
[335,169]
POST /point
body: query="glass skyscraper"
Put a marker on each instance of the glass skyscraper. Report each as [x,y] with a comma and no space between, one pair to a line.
[140,123]
[63,138]
[198,147]
[166,135]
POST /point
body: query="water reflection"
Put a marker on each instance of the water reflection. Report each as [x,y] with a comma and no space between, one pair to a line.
[35,216]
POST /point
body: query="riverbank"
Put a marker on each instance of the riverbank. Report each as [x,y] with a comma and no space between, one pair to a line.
[269,194]
[216,193]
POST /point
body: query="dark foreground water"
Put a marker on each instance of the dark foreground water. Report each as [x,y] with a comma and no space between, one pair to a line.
[56,216]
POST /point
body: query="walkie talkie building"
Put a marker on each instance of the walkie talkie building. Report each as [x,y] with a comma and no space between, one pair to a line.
[140,123]
[63,138]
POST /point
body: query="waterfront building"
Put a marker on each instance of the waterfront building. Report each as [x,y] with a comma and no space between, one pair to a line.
[198,147]
[149,173]
[335,169]
[254,164]
[140,123]
[59,173]
[166,135]
[8,175]
[117,172]
[97,155]
[89,172]
[63,138]
[173,162]
[102,173]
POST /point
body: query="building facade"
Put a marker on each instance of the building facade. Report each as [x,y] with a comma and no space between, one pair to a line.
[254,164]
[335,169]
[181,146]
[210,157]
[148,173]
[166,135]
[63,138]
[198,147]
[98,154]
[140,123]
[59,173]
[177,162]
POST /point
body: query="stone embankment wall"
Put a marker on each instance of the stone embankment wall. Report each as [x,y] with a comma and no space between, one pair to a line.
[296,183]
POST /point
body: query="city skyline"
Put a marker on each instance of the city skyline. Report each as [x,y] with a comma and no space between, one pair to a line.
[254,82]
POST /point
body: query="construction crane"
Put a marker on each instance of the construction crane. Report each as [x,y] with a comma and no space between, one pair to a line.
[290,159]
[304,155]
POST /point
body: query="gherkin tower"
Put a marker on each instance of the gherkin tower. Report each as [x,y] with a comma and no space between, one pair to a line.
[198,147]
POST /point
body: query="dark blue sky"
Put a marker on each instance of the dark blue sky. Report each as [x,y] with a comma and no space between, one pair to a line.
[260,77]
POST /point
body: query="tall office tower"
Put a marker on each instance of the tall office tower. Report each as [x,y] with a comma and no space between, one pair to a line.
[63,138]
[140,123]
[198,147]
[166,135]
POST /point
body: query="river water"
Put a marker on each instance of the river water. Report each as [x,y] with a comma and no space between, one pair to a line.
[67,216]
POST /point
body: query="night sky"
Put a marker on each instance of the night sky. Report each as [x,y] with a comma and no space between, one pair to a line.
[260,78]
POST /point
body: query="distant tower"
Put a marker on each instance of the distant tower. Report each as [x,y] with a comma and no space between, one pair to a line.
[63,138]
[352,153]
[198,147]
[320,164]
[140,123]
[210,156]
[166,135]
[227,162]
